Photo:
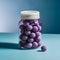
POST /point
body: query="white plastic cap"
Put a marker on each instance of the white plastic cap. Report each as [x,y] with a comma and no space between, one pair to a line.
[30,14]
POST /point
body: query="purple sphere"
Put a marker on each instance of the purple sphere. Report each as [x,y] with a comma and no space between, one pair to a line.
[37,34]
[24,37]
[32,35]
[22,31]
[21,44]
[43,48]
[29,27]
[29,45]
[38,40]
[35,44]
[27,32]
[35,28]
[30,40]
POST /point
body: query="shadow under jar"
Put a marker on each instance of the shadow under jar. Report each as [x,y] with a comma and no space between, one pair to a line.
[30,29]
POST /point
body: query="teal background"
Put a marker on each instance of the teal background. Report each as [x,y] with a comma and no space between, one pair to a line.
[10,14]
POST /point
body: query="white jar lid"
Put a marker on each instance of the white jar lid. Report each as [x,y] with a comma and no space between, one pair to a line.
[30,14]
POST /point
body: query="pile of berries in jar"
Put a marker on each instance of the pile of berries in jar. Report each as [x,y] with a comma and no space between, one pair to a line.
[30,29]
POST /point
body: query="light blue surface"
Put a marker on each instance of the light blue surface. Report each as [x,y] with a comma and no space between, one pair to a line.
[52,42]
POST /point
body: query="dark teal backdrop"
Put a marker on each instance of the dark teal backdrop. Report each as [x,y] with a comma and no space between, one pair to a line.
[49,13]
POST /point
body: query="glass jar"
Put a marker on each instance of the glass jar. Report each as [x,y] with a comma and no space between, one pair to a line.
[30,29]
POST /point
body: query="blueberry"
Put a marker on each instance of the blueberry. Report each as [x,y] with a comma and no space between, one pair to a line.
[21,44]
[32,35]
[35,44]
[28,45]
[37,40]
[35,28]
[43,48]
[30,40]
[27,32]
[29,27]
[24,37]
[37,34]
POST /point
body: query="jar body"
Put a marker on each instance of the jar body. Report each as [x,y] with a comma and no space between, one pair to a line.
[30,33]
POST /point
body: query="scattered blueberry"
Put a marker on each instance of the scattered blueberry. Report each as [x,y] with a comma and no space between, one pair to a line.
[43,48]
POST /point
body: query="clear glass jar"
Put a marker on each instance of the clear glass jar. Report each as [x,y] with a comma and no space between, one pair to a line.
[30,29]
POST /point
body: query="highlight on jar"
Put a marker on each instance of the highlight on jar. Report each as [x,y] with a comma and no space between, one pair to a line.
[30,29]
